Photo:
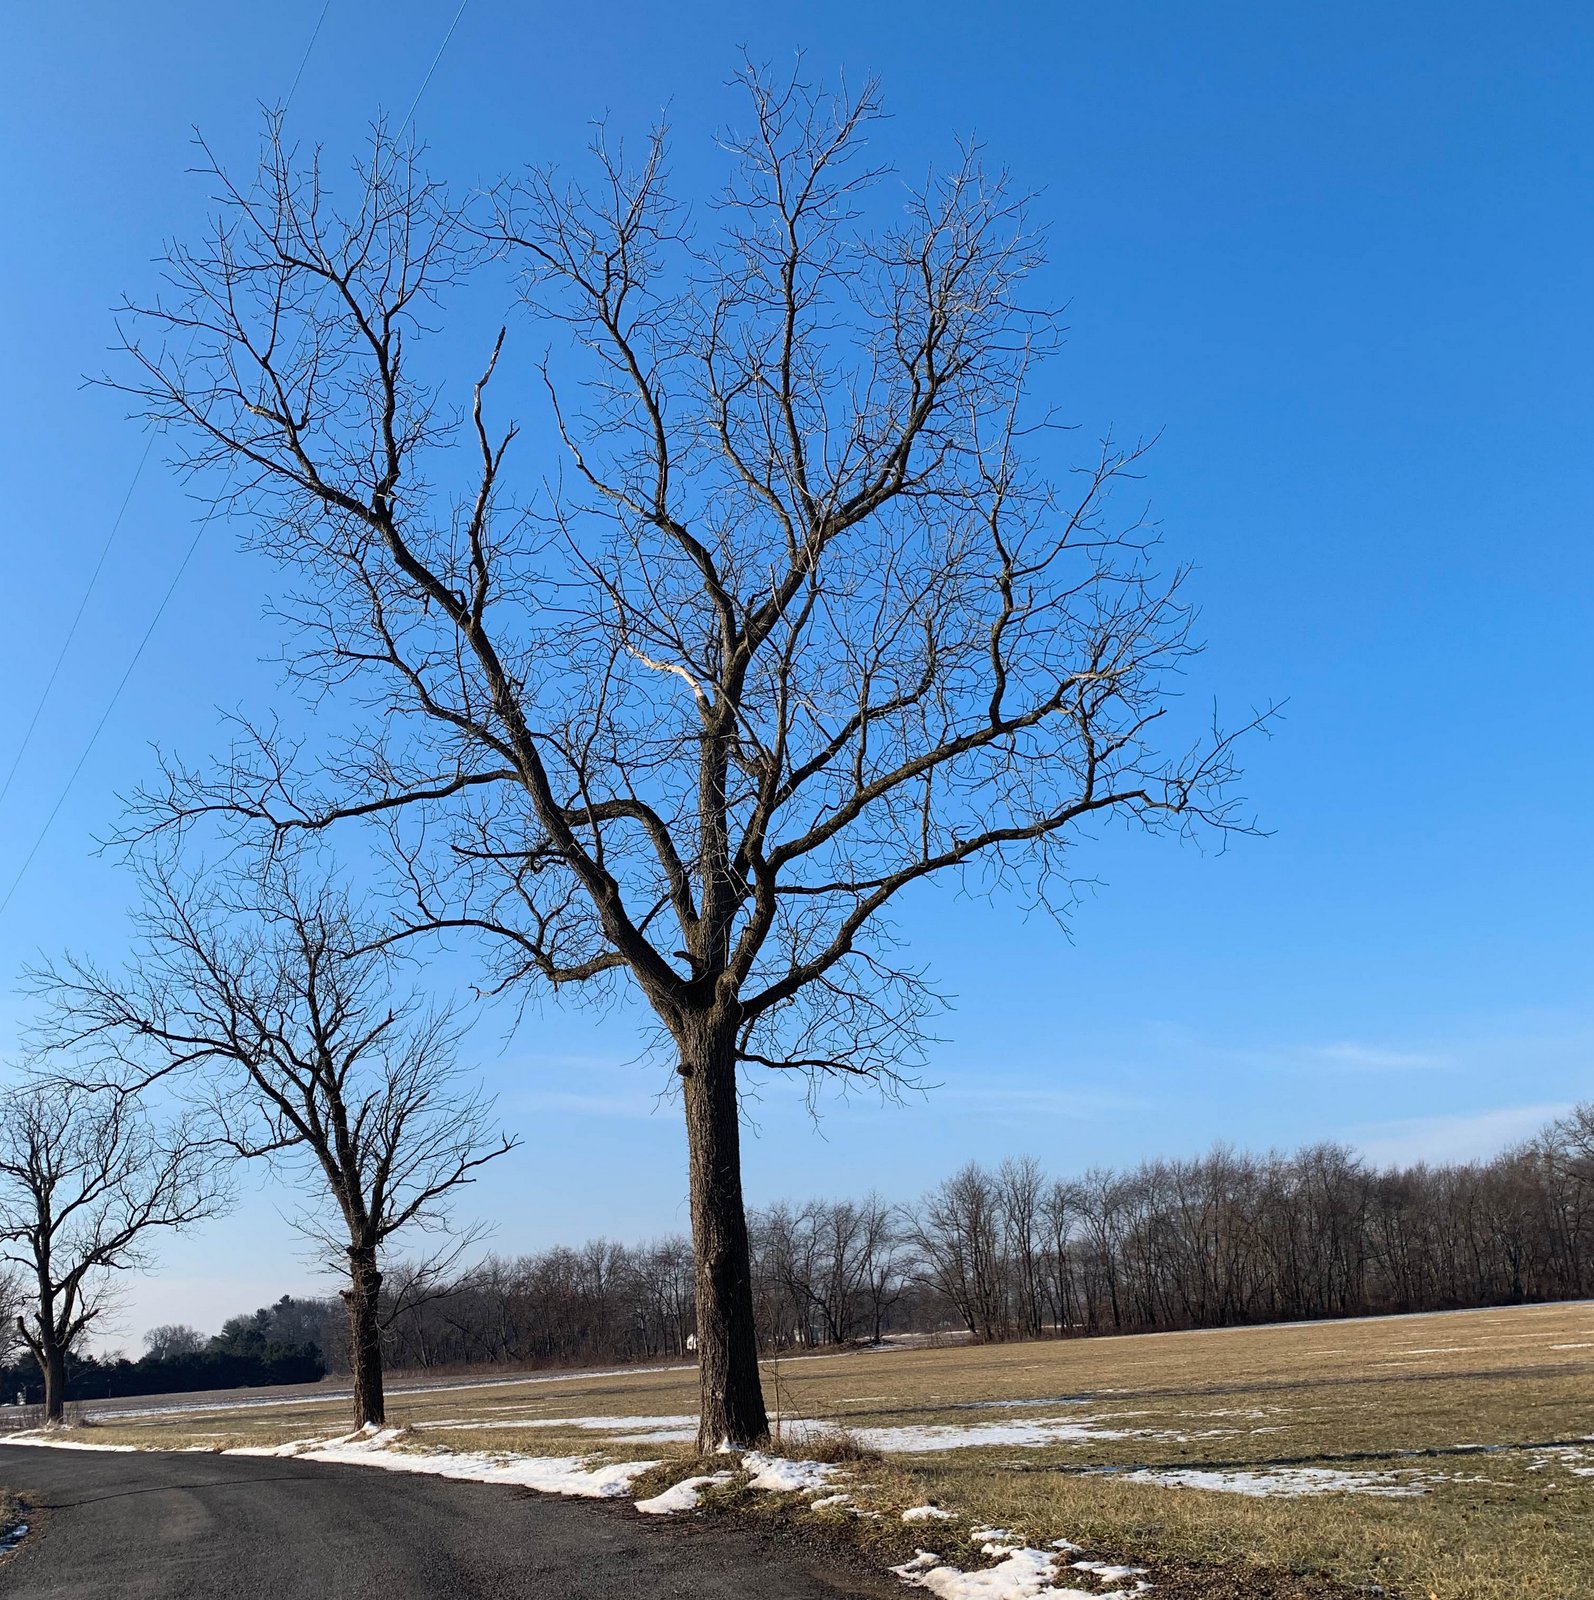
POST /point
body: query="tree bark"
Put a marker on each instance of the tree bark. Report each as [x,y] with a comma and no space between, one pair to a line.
[362,1297]
[727,1339]
[52,1363]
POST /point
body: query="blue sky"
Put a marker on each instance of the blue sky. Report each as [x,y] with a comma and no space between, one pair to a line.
[1340,256]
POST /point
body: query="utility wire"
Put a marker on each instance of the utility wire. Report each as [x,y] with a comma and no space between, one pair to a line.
[305,58]
[433,68]
[116,694]
[77,617]
[138,471]
[193,544]
[88,591]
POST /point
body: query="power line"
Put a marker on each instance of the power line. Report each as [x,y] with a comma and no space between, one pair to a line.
[433,68]
[88,591]
[77,617]
[138,472]
[116,694]
[193,545]
[304,59]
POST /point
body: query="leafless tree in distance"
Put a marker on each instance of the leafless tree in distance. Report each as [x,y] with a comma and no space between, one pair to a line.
[172,1340]
[801,621]
[86,1180]
[263,995]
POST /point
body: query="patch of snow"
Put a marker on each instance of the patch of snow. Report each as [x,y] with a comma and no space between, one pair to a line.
[1107,1571]
[682,1496]
[566,1475]
[1022,1574]
[926,1514]
[827,1501]
[1281,1481]
[780,1476]
[59,1441]
[928,1437]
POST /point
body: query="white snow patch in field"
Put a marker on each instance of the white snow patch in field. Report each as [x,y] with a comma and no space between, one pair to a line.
[1572,1346]
[1107,1571]
[826,1501]
[567,1475]
[682,1496]
[926,1514]
[1572,1457]
[1021,1575]
[59,1441]
[12,1537]
[1283,1481]
[967,1436]
[781,1476]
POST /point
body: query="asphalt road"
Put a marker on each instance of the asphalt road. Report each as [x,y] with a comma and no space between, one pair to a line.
[173,1525]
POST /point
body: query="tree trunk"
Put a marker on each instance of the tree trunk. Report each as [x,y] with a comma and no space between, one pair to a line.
[52,1363]
[365,1336]
[727,1339]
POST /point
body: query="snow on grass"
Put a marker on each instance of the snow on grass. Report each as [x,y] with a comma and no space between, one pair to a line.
[1281,1481]
[1572,1457]
[927,1437]
[12,1537]
[1021,1574]
[59,1439]
[1107,1571]
[781,1476]
[829,1500]
[926,1514]
[682,1496]
[565,1475]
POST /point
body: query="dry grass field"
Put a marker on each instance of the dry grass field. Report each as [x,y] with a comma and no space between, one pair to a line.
[1443,1456]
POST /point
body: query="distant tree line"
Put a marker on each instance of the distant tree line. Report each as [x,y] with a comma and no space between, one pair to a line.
[1221,1240]
[275,1345]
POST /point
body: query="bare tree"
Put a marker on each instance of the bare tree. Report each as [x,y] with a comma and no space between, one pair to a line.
[803,623]
[267,998]
[172,1340]
[85,1180]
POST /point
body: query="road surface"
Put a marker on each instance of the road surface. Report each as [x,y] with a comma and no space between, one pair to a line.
[162,1525]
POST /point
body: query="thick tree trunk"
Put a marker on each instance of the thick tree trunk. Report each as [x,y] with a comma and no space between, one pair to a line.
[365,1336]
[727,1340]
[52,1363]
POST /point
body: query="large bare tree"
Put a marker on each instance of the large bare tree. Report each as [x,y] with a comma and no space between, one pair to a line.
[86,1180]
[262,997]
[801,621]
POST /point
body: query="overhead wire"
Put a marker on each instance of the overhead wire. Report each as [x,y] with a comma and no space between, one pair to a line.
[138,472]
[193,544]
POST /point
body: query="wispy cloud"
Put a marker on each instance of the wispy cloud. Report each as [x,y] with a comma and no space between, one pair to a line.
[1371,1058]
[1461,1136]
[563,1102]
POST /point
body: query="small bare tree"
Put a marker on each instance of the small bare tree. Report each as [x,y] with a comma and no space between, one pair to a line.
[85,1181]
[802,623]
[269,1002]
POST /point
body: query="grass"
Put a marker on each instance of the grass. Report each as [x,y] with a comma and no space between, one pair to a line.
[1474,1409]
